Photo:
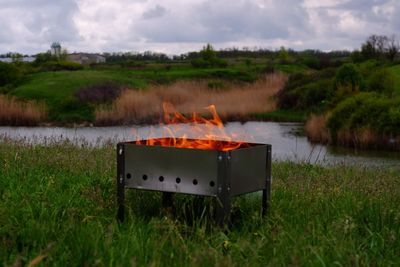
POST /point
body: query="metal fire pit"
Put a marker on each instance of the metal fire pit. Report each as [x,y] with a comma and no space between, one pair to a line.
[220,174]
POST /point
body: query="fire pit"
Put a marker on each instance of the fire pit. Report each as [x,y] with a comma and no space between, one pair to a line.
[220,169]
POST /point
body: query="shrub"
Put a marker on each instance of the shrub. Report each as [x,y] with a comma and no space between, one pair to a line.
[99,93]
[219,62]
[71,110]
[349,75]
[316,95]
[9,74]
[366,111]
[307,91]
[208,59]
[382,81]
[200,63]
[311,62]
[61,65]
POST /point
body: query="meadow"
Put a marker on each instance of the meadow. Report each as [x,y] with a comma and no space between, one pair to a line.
[57,88]
[58,207]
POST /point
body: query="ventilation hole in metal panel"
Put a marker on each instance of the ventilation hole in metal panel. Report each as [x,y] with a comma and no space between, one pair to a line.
[178,180]
[161,178]
[195,182]
[144,177]
[212,183]
[128,175]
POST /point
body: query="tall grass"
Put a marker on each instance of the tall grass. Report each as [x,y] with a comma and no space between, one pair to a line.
[365,138]
[316,130]
[14,112]
[58,207]
[188,96]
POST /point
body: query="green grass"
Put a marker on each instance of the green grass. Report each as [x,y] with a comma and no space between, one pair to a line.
[58,206]
[57,88]
[290,68]
[281,115]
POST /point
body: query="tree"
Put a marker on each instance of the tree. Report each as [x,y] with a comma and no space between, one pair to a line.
[208,58]
[208,53]
[380,47]
[393,48]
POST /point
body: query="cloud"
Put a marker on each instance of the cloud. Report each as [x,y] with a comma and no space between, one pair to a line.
[225,21]
[176,26]
[35,23]
[155,12]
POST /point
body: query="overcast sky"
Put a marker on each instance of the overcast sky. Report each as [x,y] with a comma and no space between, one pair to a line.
[178,26]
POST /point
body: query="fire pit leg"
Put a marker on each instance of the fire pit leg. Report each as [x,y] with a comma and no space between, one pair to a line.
[223,210]
[120,183]
[267,190]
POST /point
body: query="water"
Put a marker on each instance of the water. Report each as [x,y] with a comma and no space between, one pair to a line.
[286,143]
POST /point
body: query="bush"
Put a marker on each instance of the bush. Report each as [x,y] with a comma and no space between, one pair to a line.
[71,111]
[9,74]
[99,93]
[311,62]
[200,63]
[316,95]
[60,65]
[307,91]
[349,75]
[382,81]
[366,111]
[208,59]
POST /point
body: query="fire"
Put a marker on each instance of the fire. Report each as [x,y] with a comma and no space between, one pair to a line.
[209,133]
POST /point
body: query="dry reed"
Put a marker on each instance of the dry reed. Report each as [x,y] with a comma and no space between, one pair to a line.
[189,96]
[16,113]
[365,138]
[316,129]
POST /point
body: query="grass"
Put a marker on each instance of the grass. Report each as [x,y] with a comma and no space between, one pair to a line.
[58,207]
[57,88]
[290,68]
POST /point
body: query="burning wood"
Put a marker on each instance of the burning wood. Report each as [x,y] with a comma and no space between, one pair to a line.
[209,133]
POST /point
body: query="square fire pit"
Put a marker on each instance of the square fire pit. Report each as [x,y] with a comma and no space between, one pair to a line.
[214,173]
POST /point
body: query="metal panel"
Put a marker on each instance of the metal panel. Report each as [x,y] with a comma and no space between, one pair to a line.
[171,169]
[248,168]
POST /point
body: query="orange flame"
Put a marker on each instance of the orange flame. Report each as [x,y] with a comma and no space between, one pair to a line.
[210,133]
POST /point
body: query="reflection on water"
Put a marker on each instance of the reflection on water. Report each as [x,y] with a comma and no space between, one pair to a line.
[286,144]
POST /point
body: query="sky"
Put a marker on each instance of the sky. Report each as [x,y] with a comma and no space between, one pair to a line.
[179,26]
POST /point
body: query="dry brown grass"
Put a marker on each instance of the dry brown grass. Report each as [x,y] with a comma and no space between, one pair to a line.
[316,129]
[367,139]
[189,96]
[14,112]
[361,139]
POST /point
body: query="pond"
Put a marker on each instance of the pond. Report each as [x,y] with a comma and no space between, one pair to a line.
[286,142]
